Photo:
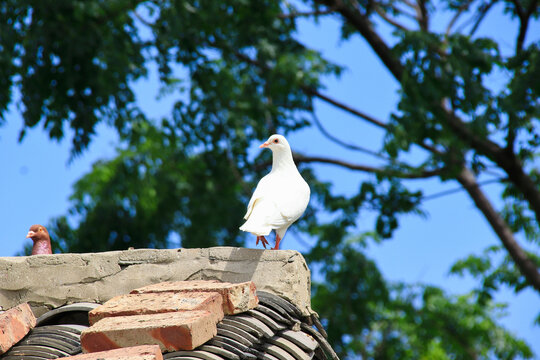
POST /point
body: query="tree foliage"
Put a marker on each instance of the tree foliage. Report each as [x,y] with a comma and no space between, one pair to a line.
[239,73]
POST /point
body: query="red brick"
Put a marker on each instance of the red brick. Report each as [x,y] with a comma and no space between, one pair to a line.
[143,352]
[153,303]
[14,325]
[184,330]
[237,297]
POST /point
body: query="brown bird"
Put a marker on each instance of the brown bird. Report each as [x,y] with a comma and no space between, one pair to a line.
[42,240]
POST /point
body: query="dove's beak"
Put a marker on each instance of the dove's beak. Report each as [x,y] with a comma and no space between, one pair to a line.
[30,234]
[263,145]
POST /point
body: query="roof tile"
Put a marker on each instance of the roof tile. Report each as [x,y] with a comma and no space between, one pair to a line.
[198,354]
[291,348]
[278,352]
[275,326]
[301,339]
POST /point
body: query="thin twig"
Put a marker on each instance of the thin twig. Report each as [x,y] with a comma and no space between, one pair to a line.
[460,189]
[345,107]
[140,18]
[459,12]
[482,12]
[342,143]
[299,158]
[389,20]
[306,13]
[403,12]
[313,92]
[409,3]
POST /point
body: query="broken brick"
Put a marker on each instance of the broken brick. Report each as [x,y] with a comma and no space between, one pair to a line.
[153,303]
[15,323]
[184,330]
[237,297]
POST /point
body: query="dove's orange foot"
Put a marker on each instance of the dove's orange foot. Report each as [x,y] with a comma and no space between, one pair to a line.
[278,239]
[263,240]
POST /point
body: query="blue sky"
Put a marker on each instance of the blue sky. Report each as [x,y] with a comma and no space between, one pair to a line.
[36,177]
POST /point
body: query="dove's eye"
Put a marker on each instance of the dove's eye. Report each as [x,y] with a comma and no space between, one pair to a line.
[276,141]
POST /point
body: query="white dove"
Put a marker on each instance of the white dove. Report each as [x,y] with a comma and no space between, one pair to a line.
[280,198]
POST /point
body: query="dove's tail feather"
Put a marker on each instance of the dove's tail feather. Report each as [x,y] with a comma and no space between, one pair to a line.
[256,230]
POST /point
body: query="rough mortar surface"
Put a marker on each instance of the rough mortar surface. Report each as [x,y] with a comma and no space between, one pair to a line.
[50,281]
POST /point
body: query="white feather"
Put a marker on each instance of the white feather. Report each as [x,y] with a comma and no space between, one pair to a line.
[281,197]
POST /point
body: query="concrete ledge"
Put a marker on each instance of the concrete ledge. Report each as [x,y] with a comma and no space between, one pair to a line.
[50,281]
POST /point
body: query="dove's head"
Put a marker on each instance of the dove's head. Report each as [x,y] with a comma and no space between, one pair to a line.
[37,233]
[276,143]
[41,239]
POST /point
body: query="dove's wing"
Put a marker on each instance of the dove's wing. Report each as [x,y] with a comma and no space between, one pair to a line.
[289,195]
[263,188]
[293,198]
[264,217]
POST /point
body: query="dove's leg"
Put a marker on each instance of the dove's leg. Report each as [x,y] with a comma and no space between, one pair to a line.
[263,240]
[278,239]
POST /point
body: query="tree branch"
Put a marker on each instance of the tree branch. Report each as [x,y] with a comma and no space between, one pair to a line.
[402,12]
[388,19]
[306,13]
[362,115]
[141,19]
[519,9]
[422,15]
[459,12]
[485,146]
[482,12]
[326,98]
[365,28]
[344,107]
[409,4]
[524,16]
[507,161]
[510,134]
[299,158]
[488,148]
[526,266]
[344,144]
[461,188]
[315,93]
[503,158]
